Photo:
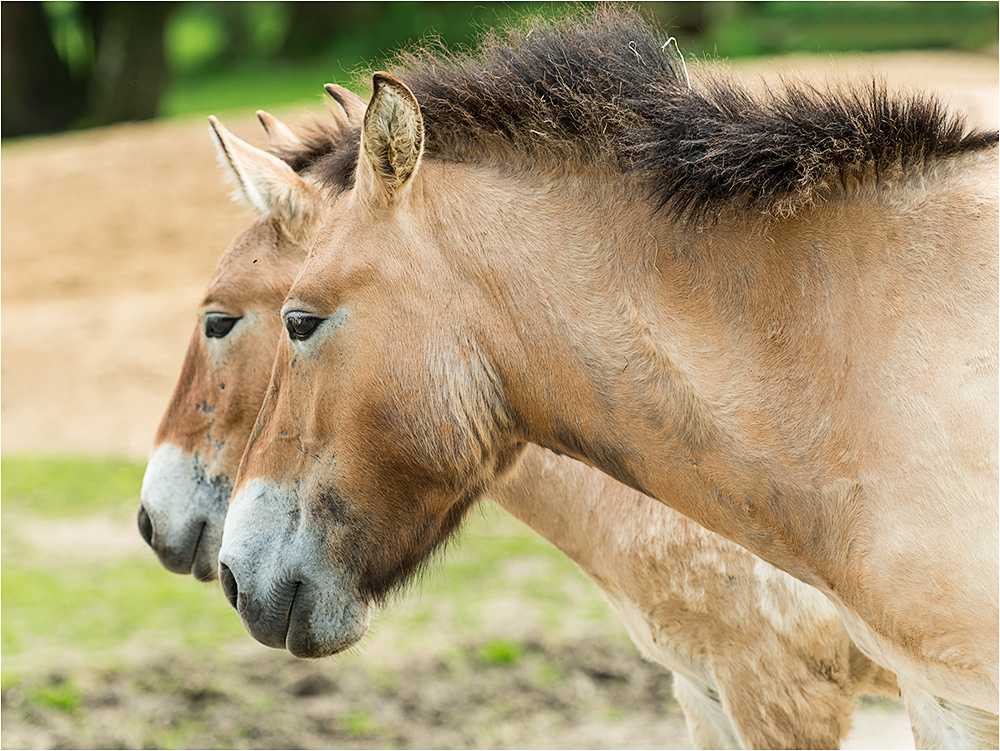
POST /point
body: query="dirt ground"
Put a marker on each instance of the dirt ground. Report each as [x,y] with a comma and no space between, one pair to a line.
[108,239]
[580,695]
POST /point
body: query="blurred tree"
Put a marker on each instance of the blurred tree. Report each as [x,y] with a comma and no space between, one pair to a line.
[121,79]
[37,91]
[129,62]
[686,19]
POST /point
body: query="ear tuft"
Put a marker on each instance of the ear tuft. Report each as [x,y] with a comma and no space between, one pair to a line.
[392,136]
[353,106]
[270,186]
[279,135]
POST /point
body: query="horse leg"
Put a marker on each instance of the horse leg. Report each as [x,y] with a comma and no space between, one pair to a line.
[793,703]
[703,713]
[940,723]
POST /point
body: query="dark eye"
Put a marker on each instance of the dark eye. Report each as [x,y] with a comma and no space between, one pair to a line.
[217,326]
[301,325]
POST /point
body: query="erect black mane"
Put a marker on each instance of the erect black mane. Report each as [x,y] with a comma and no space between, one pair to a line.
[604,88]
[325,149]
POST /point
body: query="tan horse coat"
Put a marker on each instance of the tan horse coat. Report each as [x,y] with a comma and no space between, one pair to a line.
[759,659]
[818,386]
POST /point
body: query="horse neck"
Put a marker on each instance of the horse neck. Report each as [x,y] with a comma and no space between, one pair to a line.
[637,335]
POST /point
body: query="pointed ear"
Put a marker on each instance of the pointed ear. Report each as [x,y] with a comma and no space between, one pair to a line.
[268,184]
[392,139]
[352,105]
[278,134]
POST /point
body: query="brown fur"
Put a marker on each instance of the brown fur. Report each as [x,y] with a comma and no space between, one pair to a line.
[751,438]
[205,408]
[603,87]
[820,388]
[693,602]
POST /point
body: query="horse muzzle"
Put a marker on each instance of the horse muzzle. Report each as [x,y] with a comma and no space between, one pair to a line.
[287,594]
[182,511]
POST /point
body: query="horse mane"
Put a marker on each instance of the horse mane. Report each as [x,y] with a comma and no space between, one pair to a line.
[325,149]
[603,88]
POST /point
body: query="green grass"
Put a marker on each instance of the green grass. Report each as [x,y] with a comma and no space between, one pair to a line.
[359,723]
[252,86]
[547,675]
[68,486]
[98,608]
[58,603]
[749,29]
[63,695]
[500,652]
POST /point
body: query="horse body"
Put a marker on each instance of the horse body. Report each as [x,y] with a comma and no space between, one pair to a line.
[817,383]
[760,660]
[772,408]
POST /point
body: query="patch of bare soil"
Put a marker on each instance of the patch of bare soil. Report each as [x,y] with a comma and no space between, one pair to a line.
[581,695]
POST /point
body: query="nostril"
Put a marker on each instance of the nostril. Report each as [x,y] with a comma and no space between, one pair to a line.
[145,526]
[229,585]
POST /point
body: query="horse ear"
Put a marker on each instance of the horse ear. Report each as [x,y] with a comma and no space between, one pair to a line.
[392,138]
[352,105]
[279,135]
[265,182]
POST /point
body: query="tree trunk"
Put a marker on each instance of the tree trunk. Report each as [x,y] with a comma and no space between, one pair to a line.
[129,59]
[39,94]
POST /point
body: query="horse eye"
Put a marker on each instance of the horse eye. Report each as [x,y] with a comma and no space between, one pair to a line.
[217,326]
[301,326]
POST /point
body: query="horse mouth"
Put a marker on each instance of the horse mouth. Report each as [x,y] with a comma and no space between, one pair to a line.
[268,619]
[289,616]
[204,564]
[184,558]
[291,609]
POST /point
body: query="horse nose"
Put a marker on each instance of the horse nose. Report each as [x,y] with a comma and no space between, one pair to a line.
[145,526]
[229,585]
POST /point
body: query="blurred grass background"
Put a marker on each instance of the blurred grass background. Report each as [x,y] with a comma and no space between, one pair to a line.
[106,599]
[101,62]
[94,629]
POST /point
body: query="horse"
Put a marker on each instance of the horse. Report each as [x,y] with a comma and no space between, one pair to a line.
[775,313]
[759,659]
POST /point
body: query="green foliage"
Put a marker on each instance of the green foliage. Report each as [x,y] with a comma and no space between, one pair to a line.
[100,607]
[769,28]
[498,652]
[61,694]
[69,36]
[68,486]
[359,723]
[255,85]
[194,38]
[203,35]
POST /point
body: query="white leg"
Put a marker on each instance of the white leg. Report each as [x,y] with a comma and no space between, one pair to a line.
[940,723]
[706,721]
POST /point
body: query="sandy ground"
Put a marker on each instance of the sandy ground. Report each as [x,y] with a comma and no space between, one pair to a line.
[108,239]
